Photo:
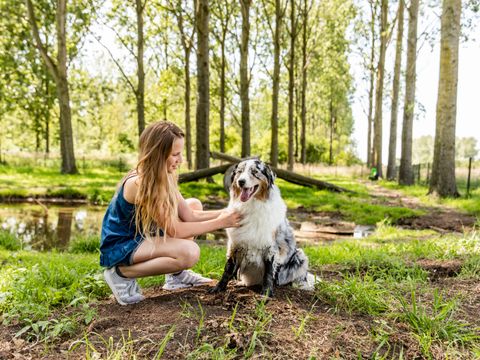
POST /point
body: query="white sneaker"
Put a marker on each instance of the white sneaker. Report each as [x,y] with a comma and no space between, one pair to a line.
[308,283]
[126,291]
[187,278]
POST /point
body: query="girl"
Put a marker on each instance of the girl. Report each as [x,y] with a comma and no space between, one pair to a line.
[148,228]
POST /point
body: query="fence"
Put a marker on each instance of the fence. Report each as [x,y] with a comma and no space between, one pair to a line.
[466,175]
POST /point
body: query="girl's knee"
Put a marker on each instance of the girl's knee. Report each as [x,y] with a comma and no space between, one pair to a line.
[190,255]
[194,204]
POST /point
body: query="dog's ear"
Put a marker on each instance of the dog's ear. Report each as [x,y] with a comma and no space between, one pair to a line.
[234,172]
[269,174]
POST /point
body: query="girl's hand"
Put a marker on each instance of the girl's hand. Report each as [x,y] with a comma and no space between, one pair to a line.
[230,218]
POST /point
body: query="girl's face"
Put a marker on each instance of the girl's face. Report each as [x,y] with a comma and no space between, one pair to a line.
[175,158]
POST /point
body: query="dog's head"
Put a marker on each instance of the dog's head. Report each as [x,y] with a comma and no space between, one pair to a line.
[252,178]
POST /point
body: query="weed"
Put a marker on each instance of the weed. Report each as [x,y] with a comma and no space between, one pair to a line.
[437,324]
[354,294]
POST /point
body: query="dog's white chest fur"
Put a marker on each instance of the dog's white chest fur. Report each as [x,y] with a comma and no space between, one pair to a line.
[250,242]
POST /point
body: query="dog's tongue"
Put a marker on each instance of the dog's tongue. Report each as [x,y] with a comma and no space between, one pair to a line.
[246,193]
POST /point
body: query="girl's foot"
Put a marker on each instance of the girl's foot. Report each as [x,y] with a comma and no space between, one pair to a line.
[184,279]
[125,290]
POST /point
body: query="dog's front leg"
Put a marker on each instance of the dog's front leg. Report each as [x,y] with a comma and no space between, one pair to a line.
[268,277]
[228,274]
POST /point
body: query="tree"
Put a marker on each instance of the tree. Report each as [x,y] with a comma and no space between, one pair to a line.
[442,181]
[466,148]
[392,147]
[371,70]
[377,139]
[406,171]
[58,70]
[276,34]
[202,159]
[305,35]
[291,84]
[186,39]
[120,16]
[245,77]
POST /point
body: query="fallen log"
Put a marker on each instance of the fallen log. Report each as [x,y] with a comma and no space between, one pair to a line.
[286,175]
[203,173]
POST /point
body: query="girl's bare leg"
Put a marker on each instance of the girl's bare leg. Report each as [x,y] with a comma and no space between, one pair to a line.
[157,256]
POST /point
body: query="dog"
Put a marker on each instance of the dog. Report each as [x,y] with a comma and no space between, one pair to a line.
[262,251]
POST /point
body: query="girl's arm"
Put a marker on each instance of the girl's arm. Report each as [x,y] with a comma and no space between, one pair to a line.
[182,229]
[186,214]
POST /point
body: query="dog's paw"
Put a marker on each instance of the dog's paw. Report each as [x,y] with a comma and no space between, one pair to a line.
[215,290]
[267,291]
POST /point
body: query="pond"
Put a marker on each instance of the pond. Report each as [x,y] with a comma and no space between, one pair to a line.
[44,227]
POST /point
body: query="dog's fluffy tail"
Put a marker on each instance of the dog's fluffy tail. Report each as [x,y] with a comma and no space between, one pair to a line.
[295,269]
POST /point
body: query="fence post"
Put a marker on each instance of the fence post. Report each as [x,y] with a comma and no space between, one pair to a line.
[468,178]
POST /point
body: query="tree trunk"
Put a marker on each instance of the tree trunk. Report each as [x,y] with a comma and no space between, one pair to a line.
[291,84]
[406,171]
[47,116]
[392,148]
[203,86]
[140,94]
[66,133]
[443,181]
[188,124]
[59,73]
[332,120]
[371,89]
[276,82]
[244,77]
[377,139]
[303,139]
[222,93]
[187,49]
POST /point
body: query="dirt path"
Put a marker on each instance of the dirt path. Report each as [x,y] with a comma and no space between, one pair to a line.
[438,217]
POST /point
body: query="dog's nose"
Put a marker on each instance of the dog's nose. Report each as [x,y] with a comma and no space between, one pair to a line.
[241,182]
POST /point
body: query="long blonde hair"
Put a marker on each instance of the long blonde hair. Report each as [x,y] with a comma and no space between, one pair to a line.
[156,200]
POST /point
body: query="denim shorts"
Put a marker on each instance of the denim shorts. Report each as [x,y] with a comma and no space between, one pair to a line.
[119,252]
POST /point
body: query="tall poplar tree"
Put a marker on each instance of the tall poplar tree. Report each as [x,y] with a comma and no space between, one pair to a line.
[59,71]
[442,181]
[202,159]
[392,147]
[377,139]
[406,171]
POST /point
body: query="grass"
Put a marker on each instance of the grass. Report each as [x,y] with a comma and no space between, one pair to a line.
[470,204]
[52,294]
[435,322]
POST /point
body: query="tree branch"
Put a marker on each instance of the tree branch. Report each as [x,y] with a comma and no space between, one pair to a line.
[118,65]
[38,42]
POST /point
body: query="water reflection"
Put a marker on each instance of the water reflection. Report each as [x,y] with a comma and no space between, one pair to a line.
[43,228]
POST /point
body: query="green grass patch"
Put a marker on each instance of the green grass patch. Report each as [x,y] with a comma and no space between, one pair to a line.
[8,241]
[435,323]
[357,207]
[470,204]
[85,244]
[354,294]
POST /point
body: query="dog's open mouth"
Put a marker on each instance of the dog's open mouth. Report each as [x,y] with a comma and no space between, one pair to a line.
[247,193]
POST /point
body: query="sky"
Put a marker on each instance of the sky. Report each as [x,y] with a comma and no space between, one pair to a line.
[428,65]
